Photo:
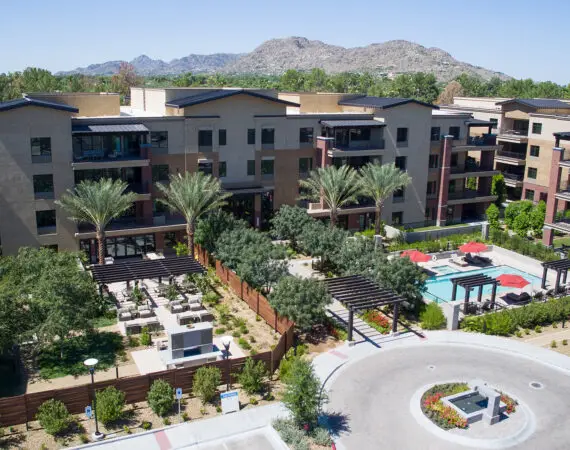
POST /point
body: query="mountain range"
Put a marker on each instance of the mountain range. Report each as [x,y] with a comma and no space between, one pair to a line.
[275,56]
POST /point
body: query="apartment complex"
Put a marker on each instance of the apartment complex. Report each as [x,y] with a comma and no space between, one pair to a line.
[525,128]
[257,142]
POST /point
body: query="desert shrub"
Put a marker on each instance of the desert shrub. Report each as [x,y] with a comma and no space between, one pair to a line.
[185,417]
[288,359]
[161,397]
[110,405]
[54,417]
[146,339]
[146,425]
[302,394]
[538,329]
[83,438]
[166,421]
[211,298]
[564,341]
[252,376]
[432,317]
[133,341]
[553,344]
[321,436]
[244,344]
[291,434]
[206,382]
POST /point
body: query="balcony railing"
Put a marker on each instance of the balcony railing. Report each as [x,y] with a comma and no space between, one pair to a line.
[138,188]
[106,155]
[376,144]
[471,168]
[466,194]
[481,141]
[513,176]
[514,133]
[513,155]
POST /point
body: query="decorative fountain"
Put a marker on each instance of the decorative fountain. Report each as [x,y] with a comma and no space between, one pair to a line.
[481,402]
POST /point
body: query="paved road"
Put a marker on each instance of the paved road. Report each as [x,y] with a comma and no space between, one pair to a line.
[375,394]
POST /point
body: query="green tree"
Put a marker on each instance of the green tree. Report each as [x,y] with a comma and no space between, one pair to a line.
[97,203]
[213,225]
[54,417]
[252,376]
[289,223]
[379,182]
[450,91]
[358,256]
[125,79]
[302,301]
[110,405]
[493,217]
[521,224]
[192,194]
[337,187]
[302,394]
[161,397]
[515,209]
[499,188]
[206,382]
[324,242]
[292,81]
[537,217]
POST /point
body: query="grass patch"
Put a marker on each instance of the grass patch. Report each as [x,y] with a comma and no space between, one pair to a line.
[66,358]
[106,320]
[435,227]
[561,241]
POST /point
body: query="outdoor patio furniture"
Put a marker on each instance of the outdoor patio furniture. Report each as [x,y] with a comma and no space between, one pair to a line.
[205,316]
[197,298]
[483,259]
[195,306]
[187,317]
[459,262]
[124,316]
[518,298]
[174,309]
[144,313]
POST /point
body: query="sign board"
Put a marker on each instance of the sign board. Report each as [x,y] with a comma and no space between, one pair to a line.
[88,412]
[178,393]
[230,401]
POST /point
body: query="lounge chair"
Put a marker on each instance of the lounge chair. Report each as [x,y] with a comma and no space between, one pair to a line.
[471,260]
[458,261]
[483,259]
[518,298]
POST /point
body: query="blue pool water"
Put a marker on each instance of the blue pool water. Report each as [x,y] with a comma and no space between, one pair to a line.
[439,288]
[444,270]
[196,351]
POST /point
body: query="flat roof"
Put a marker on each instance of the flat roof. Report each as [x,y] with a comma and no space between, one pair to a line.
[382,102]
[539,103]
[352,123]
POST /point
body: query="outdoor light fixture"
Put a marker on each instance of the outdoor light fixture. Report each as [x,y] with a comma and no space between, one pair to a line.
[226,342]
[91,363]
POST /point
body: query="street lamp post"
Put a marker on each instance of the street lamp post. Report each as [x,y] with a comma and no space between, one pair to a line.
[91,363]
[226,342]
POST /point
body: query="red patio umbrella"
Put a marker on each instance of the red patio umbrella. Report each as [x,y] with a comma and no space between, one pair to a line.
[510,280]
[416,256]
[473,247]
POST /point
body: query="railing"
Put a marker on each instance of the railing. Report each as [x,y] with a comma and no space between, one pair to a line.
[466,194]
[138,188]
[106,155]
[470,168]
[376,144]
[514,155]
[514,133]
[513,176]
[480,141]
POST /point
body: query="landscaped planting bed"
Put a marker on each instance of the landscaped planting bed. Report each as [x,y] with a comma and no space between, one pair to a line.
[443,416]
[377,320]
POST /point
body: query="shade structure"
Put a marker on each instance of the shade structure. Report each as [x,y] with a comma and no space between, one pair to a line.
[416,256]
[511,280]
[473,247]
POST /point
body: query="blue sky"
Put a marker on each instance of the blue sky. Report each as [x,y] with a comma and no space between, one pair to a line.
[521,38]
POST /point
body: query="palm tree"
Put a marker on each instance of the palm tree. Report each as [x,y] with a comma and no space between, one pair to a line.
[97,203]
[379,182]
[192,195]
[337,186]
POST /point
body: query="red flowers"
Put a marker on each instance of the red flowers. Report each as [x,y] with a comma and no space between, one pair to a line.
[511,404]
[377,320]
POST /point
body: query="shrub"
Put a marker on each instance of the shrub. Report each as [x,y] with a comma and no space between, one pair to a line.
[126,429]
[185,417]
[291,434]
[377,321]
[252,339]
[252,376]
[146,425]
[236,334]
[538,329]
[133,342]
[321,437]
[110,404]
[220,330]
[493,217]
[206,382]
[253,401]
[432,317]
[289,359]
[146,339]
[518,334]
[83,438]
[161,397]
[553,344]
[564,341]
[526,331]
[244,344]
[302,394]
[203,411]
[554,325]
[211,298]
[166,421]
[54,417]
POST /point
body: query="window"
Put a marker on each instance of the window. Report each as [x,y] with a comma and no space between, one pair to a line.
[401,162]
[398,196]
[267,168]
[222,137]
[397,218]
[205,138]
[451,186]
[160,172]
[205,166]
[433,161]
[532,172]
[268,137]
[222,169]
[529,194]
[454,131]
[360,134]
[41,149]
[402,136]
[251,136]
[250,167]
[305,165]
[536,128]
[495,122]
[159,139]
[454,158]
[45,221]
[431,186]
[543,197]
[435,133]
[534,150]
[43,186]
[306,135]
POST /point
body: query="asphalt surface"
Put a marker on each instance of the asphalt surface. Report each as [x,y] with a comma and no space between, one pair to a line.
[372,397]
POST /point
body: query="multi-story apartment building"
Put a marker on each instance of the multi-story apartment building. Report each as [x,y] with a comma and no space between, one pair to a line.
[524,128]
[259,144]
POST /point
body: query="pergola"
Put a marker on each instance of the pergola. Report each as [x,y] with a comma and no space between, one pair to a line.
[472,281]
[561,266]
[139,270]
[360,294]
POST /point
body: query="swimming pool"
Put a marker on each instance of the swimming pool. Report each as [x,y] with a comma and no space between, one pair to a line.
[439,288]
[444,270]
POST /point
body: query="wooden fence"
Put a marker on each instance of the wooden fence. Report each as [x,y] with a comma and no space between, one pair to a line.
[23,408]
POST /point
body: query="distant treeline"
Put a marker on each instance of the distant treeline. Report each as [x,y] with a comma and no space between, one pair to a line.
[421,86]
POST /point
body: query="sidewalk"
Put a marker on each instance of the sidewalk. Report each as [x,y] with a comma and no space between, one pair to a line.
[249,429]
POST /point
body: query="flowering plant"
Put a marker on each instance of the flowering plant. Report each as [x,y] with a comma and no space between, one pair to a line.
[377,320]
[510,402]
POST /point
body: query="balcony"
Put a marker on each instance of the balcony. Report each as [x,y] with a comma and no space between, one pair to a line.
[513,180]
[482,141]
[511,158]
[516,136]
[563,195]
[357,148]
[469,196]
[562,225]
[125,226]
[315,210]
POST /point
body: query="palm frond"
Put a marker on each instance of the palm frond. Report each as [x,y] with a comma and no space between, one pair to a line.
[380,181]
[337,186]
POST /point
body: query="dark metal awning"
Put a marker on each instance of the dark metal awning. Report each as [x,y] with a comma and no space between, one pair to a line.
[352,123]
[564,135]
[479,123]
[123,128]
[139,270]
